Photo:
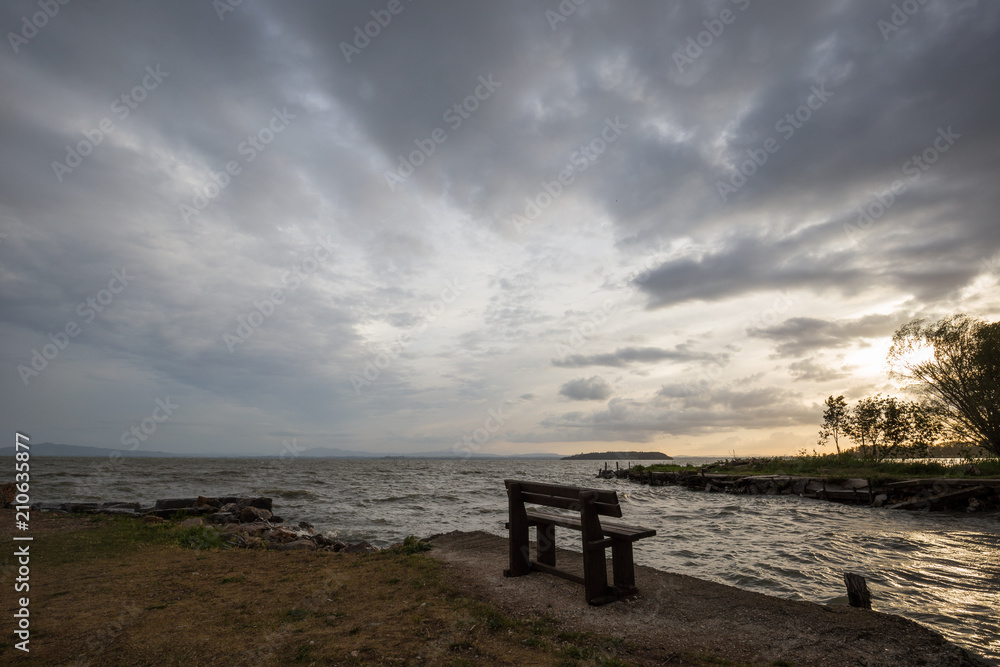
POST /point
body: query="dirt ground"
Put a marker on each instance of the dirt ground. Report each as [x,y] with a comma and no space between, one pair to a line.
[676,618]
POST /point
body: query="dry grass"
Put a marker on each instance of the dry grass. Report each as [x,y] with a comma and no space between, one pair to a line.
[116,592]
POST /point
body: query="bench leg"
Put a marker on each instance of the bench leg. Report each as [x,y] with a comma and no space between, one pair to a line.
[546,535]
[622,564]
[520,555]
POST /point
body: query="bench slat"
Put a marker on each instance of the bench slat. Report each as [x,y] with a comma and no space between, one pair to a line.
[614,529]
[563,490]
[604,509]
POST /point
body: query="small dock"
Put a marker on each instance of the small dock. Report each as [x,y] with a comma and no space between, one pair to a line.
[926,494]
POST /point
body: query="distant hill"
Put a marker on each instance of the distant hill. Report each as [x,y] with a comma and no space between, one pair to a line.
[619,456]
[54,449]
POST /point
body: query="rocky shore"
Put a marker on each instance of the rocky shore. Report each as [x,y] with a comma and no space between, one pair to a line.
[248,522]
[928,494]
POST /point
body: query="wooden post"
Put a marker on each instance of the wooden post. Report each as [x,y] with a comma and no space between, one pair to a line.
[857,591]
[520,556]
[545,534]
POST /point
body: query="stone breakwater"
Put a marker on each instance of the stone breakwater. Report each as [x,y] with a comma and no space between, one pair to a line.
[246,522]
[937,494]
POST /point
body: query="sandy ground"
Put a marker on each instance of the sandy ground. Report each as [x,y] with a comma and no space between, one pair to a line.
[676,618]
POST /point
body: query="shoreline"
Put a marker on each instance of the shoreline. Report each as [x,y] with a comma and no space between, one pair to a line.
[970,495]
[116,579]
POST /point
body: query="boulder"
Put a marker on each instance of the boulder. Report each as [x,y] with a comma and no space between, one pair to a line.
[296,545]
[308,527]
[276,519]
[212,502]
[231,508]
[282,535]
[120,505]
[362,547]
[193,521]
[150,519]
[256,528]
[175,503]
[7,492]
[251,514]
[220,517]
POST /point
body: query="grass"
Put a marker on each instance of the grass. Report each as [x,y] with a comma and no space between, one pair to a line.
[835,466]
[236,606]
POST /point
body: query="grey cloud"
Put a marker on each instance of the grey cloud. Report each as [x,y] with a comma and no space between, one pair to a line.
[799,336]
[594,388]
[633,355]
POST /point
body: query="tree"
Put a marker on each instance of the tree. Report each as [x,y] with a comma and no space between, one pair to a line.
[961,377]
[885,427]
[834,420]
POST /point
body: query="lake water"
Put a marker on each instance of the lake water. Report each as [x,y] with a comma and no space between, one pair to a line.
[942,570]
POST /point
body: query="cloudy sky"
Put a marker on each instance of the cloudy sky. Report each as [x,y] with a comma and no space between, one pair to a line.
[500,227]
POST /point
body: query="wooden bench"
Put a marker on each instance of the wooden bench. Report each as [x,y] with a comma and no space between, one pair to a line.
[597,536]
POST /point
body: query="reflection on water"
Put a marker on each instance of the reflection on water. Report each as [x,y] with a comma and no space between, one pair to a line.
[940,570]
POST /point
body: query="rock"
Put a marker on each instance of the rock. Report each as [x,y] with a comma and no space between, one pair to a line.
[308,527]
[175,503]
[81,507]
[251,542]
[322,540]
[261,503]
[974,505]
[880,500]
[193,521]
[282,535]
[972,470]
[362,547]
[120,505]
[256,528]
[296,545]
[251,514]
[220,517]
[212,502]
[276,519]
[150,519]
[339,546]
[230,508]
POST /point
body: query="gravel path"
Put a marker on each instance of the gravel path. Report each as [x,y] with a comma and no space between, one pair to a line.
[677,619]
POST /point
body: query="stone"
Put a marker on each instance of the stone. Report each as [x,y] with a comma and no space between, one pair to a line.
[880,500]
[120,505]
[296,545]
[251,514]
[256,528]
[282,535]
[153,520]
[175,503]
[276,519]
[322,540]
[261,503]
[231,508]
[362,547]
[212,502]
[308,527]
[193,521]
[220,517]
[339,546]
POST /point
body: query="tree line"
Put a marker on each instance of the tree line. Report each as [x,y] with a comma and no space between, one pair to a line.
[957,381]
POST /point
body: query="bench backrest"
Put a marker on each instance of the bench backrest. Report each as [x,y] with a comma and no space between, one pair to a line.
[565,497]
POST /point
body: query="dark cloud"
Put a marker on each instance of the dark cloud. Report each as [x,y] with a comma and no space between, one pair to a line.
[586,389]
[641,355]
[811,370]
[799,336]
